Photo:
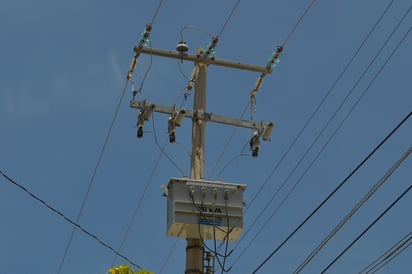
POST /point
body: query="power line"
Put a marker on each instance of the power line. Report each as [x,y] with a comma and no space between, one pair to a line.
[156,12]
[169,255]
[91,182]
[352,212]
[391,253]
[299,21]
[68,219]
[367,229]
[334,191]
[228,18]
[139,203]
[324,146]
[261,81]
[320,105]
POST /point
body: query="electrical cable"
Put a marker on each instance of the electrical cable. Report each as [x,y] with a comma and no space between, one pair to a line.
[228,18]
[391,253]
[367,229]
[139,203]
[320,105]
[143,40]
[215,252]
[101,242]
[169,255]
[298,22]
[225,147]
[307,260]
[334,191]
[316,110]
[156,12]
[327,142]
[91,182]
[260,82]
[162,150]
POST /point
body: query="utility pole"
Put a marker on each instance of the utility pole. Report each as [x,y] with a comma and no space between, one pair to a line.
[194,247]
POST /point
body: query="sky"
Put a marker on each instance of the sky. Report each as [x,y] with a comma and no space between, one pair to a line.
[62,73]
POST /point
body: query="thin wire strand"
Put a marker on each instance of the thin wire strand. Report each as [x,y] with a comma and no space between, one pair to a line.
[101,242]
[225,147]
[398,252]
[169,255]
[228,18]
[91,182]
[388,255]
[367,229]
[307,124]
[326,144]
[375,188]
[249,103]
[156,12]
[335,190]
[162,149]
[139,203]
[319,106]
[299,21]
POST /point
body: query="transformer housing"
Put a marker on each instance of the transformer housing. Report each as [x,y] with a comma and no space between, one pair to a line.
[208,210]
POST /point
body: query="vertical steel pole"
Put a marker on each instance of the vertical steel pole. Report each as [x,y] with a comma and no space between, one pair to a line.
[194,247]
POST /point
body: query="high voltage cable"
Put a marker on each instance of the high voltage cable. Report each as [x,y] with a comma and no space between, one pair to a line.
[228,18]
[367,229]
[101,154]
[156,12]
[222,152]
[391,253]
[298,22]
[334,191]
[69,220]
[276,167]
[247,105]
[352,212]
[139,203]
[168,256]
[328,141]
[162,149]
[319,106]
[91,182]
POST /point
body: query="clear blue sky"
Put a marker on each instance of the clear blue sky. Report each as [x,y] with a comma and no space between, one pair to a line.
[63,67]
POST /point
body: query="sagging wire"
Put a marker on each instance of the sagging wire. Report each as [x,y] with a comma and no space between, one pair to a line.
[67,219]
[233,159]
[162,149]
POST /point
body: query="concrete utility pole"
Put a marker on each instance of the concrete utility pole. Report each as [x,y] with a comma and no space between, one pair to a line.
[195,248]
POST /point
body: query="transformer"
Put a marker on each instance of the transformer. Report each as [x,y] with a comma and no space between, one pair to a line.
[207,210]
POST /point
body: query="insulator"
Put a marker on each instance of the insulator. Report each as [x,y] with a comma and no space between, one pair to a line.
[182,47]
[259,83]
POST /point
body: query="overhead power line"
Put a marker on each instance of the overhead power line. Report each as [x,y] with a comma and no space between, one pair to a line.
[228,18]
[390,254]
[318,107]
[257,86]
[139,202]
[367,229]
[91,182]
[333,192]
[324,146]
[352,212]
[101,242]
[298,22]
